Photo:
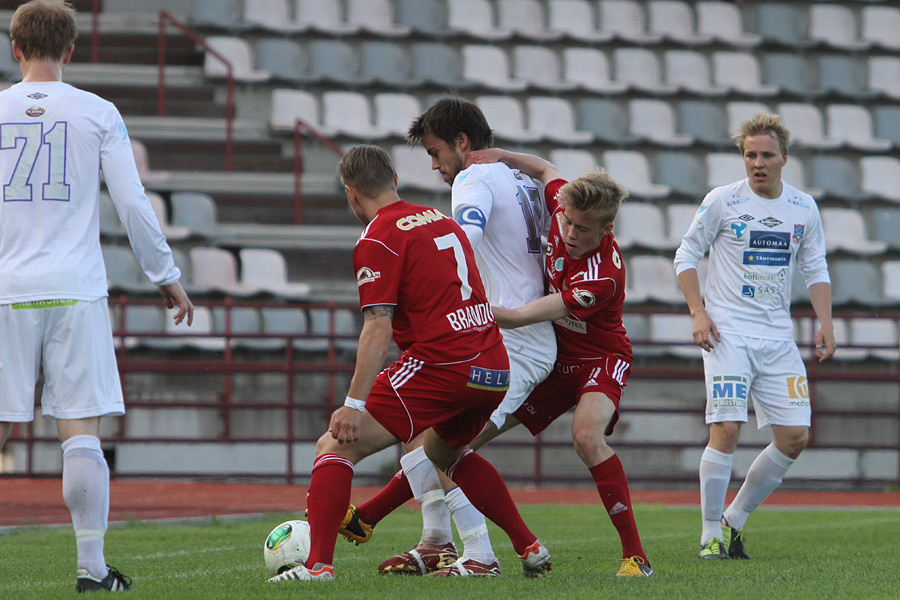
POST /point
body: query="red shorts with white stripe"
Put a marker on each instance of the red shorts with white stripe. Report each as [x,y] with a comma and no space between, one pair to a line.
[456,399]
[567,384]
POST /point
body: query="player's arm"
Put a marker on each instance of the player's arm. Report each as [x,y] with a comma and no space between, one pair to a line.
[820,298]
[546,308]
[533,166]
[374,344]
[704,330]
[174,295]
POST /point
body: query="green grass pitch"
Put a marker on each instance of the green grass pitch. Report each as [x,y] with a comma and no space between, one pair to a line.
[803,554]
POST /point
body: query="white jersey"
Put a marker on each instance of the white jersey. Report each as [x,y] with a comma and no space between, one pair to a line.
[754,246]
[503,213]
[54,141]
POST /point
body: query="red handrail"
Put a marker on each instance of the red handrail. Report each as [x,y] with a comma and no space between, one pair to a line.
[300,128]
[164,18]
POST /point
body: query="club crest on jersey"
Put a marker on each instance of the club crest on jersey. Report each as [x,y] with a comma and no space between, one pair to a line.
[35,111]
[798,232]
[558,264]
[584,297]
[366,275]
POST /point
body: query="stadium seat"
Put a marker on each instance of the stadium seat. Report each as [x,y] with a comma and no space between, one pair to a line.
[526,19]
[639,68]
[637,327]
[217,269]
[845,230]
[172,232]
[489,66]
[805,335]
[334,61]
[290,105]
[807,125]
[573,163]
[881,25]
[577,20]
[845,75]
[626,19]
[838,177]
[856,282]
[198,335]
[842,338]
[794,172]
[554,119]
[607,119]
[690,70]
[890,278]
[724,22]
[349,113]
[679,218]
[588,68]
[682,171]
[654,120]
[395,112]
[110,224]
[642,224]
[196,211]
[886,225]
[633,171]
[674,334]
[506,117]
[274,15]
[237,321]
[475,18]
[884,75]
[784,23]
[705,121]
[877,336]
[791,72]
[887,122]
[341,327]
[8,65]
[723,168]
[267,270]
[438,63]
[221,14]
[739,111]
[123,272]
[414,171]
[148,176]
[290,322]
[324,16]
[285,59]
[142,321]
[426,17]
[674,20]
[376,17]
[239,54]
[835,26]
[740,71]
[852,125]
[386,63]
[183,262]
[539,66]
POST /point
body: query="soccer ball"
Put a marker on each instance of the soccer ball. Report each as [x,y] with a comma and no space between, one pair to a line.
[287,546]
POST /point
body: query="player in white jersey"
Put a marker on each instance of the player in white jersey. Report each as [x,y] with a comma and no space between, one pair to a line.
[758,231]
[54,142]
[502,212]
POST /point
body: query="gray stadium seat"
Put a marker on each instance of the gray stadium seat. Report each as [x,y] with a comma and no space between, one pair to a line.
[784,23]
[673,334]
[343,325]
[540,67]
[8,65]
[439,64]
[334,61]
[288,322]
[239,320]
[238,52]
[807,125]
[844,75]
[674,19]
[325,16]
[285,59]
[143,319]
[196,211]
[427,17]
[856,282]
[387,63]
[724,21]
[705,122]
[123,272]
[791,72]
[525,18]
[890,275]
[627,20]
[274,15]
[884,75]
[887,122]
[375,16]
[885,226]
[110,224]
[837,177]
[222,14]
[577,20]
[475,18]
[683,172]
[605,118]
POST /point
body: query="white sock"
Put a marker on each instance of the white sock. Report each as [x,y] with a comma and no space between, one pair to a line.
[471,526]
[426,487]
[715,475]
[85,484]
[764,476]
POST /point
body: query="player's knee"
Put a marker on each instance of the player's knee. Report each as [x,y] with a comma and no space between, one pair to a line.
[588,438]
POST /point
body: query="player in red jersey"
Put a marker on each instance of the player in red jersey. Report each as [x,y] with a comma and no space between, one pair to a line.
[586,289]
[418,282]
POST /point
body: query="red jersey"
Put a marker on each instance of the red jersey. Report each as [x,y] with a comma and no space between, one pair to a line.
[592,289]
[418,260]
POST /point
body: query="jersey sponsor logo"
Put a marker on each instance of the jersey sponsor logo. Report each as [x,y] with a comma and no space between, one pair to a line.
[43,304]
[366,275]
[798,389]
[770,222]
[779,276]
[558,264]
[584,297]
[471,317]
[36,96]
[769,259]
[422,218]
[738,229]
[571,324]
[770,240]
[735,200]
[488,379]
[796,201]
[762,292]
[35,111]
[471,215]
[748,291]
[799,229]
[729,391]
[746,217]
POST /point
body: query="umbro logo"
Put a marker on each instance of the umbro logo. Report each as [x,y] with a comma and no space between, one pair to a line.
[746,217]
[37,95]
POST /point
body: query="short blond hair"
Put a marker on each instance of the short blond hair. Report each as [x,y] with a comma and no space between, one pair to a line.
[763,122]
[595,192]
[367,169]
[44,29]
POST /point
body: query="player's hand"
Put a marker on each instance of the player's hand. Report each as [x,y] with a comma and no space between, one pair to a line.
[825,344]
[487,155]
[344,425]
[174,295]
[705,331]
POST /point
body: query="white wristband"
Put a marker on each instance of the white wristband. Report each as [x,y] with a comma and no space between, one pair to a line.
[354,403]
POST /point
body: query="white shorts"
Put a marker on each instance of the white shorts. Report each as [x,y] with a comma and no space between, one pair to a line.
[73,341]
[525,372]
[770,372]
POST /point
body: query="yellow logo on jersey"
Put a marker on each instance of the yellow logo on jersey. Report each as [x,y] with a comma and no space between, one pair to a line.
[797,387]
[424,218]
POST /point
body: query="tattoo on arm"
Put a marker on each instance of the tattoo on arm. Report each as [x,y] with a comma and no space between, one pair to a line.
[378,310]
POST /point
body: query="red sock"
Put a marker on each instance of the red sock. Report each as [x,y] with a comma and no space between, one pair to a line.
[486,490]
[613,488]
[326,504]
[391,497]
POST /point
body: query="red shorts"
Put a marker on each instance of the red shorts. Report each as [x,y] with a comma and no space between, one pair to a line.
[455,399]
[567,384]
